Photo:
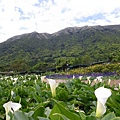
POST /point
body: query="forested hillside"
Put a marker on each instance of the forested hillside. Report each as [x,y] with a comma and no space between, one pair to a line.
[74,45]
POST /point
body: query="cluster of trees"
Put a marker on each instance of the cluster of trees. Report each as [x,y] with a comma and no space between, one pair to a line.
[38,52]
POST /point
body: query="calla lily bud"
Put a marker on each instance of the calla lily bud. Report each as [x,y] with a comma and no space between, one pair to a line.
[11,107]
[102,95]
[109,81]
[53,86]
[12,93]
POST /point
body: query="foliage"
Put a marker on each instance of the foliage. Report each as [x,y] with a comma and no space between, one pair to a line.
[100,68]
[78,45]
[75,99]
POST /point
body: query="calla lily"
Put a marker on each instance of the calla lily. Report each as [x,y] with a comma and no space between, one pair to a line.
[80,77]
[99,78]
[109,81]
[88,79]
[73,77]
[102,95]
[43,78]
[11,107]
[15,80]
[53,86]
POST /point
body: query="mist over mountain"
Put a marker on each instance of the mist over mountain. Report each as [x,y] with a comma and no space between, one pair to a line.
[73,45]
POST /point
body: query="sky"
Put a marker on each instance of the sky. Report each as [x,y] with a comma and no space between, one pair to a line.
[48,16]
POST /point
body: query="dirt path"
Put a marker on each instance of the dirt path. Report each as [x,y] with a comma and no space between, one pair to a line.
[114,82]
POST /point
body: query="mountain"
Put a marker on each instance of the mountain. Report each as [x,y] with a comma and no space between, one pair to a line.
[72,45]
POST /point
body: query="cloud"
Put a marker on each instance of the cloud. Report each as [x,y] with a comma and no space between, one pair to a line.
[23,16]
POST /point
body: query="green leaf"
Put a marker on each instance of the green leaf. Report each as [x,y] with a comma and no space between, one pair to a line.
[58,108]
[82,116]
[62,116]
[55,110]
[116,118]
[46,103]
[47,111]
[91,118]
[109,116]
[42,118]
[93,113]
[19,115]
[37,88]
[36,97]
[39,111]
[29,114]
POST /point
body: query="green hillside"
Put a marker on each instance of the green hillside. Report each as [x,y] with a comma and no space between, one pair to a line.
[74,45]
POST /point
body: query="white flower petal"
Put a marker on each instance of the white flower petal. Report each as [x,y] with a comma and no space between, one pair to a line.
[7,106]
[53,86]
[7,117]
[102,95]
[43,78]
[11,106]
[101,109]
[80,77]
[15,106]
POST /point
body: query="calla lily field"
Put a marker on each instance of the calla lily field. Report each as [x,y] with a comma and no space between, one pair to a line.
[79,97]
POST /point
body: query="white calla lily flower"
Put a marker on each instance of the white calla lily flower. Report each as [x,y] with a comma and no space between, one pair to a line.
[80,77]
[102,94]
[99,78]
[73,77]
[88,79]
[11,107]
[43,78]
[53,86]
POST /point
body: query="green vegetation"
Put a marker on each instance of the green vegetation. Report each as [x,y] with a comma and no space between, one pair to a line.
[77,45]
[100,68]
[74,100]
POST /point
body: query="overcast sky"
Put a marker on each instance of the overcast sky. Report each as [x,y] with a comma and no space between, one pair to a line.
[25,16]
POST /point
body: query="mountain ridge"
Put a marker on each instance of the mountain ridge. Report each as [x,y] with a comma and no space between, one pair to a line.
[73,45]
[65,30]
